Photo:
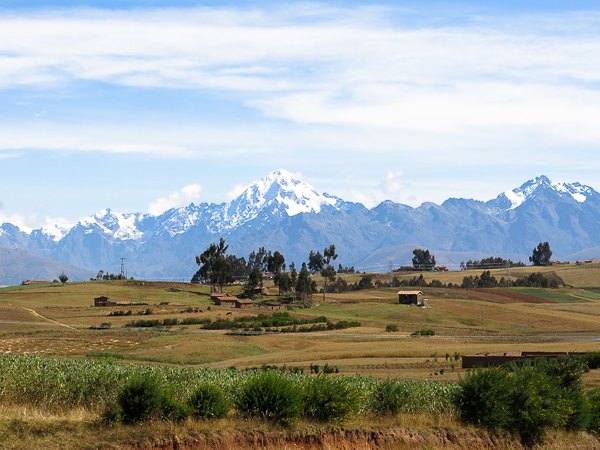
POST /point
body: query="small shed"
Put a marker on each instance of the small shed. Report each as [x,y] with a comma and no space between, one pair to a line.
[101,301]
[410,297]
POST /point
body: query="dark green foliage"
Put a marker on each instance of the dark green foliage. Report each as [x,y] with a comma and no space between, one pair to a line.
[593,397]
[489,263]
[366,282]
[330,399]
[143,399]
[527,398]
[144,323]
[392,328]
[271,396]
[425,333]
[541,255]
[120,313]
[209,402]
[423,259]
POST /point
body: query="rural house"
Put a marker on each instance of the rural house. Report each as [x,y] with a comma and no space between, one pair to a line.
[410,297]
[230,301]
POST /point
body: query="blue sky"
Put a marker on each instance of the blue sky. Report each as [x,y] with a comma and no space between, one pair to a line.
[141,105]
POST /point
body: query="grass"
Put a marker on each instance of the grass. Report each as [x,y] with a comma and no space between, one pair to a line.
[454,314]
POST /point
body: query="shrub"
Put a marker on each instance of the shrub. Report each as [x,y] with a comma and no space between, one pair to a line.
[209,402]
[330,399]
[485,398]
[272,396]
[594,404]
[143,399]
[534,397]
[391,328]
[140,400]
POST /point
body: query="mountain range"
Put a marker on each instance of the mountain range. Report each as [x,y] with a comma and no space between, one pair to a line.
[281,212]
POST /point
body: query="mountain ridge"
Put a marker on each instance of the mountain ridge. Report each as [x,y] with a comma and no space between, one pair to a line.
[282,212]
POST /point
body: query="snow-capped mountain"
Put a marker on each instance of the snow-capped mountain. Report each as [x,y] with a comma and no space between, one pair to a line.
[529,190]
[281,212]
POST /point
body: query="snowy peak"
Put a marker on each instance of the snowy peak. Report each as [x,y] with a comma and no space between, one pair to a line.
[532,188]
[119,226]
[279,193]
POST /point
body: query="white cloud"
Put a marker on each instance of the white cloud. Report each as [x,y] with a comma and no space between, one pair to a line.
[25,221]
[237,190]
[366,198]
[177,199]
[391,184]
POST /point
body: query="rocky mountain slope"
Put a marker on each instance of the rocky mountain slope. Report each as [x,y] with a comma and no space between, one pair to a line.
[281,212]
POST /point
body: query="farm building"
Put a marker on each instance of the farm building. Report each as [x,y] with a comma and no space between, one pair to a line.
[230,301]
[30,282]
[101,301]
[410,297]
[261,290]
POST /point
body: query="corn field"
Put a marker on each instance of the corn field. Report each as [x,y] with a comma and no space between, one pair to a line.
[56,384]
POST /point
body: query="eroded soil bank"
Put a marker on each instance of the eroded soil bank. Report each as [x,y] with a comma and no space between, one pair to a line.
[342,439]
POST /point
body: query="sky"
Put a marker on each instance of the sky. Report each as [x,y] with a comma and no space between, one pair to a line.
[145,105]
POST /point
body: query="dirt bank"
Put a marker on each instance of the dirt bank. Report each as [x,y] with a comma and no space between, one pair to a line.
[342,439]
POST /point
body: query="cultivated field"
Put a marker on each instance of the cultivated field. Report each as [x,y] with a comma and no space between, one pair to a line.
[57,320]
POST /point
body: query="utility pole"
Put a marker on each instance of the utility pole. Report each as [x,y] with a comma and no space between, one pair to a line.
[122,267]
[508,280]
[391,273]
[482,324]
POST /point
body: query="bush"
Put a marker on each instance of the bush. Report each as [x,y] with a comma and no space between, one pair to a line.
[390,397]
[330,399]
[391,328]
[593,397]
[143,399]
[209,402]
[534,397]
[272,396]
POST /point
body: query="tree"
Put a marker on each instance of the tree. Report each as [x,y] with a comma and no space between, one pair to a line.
[255,279]
[258,259]
[328,271]
[366,282]
[63,278]
[303,284]
[284,283]
[239,268]
[214,268]
[275,263]
[541,255]
[423,260]
[315,261]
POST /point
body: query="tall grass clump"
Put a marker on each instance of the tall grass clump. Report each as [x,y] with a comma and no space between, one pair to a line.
[271,395]
[411,397]
[329,399]
[209,402]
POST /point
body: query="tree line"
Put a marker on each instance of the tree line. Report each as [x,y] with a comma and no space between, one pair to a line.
[219,269]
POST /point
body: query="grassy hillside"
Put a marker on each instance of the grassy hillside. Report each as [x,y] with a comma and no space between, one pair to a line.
[56,319]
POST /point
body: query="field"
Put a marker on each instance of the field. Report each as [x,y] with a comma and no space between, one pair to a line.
[57,320]
[60,320]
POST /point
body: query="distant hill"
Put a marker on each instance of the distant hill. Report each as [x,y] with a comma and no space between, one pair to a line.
[281,212]
[17,266]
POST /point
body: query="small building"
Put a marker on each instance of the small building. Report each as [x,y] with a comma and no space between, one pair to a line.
[246,303]
[101,301]
[440,269]
[410,297]
[30,282]
[261,290]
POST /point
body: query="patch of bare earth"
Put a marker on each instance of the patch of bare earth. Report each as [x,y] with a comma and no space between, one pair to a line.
[345,439]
